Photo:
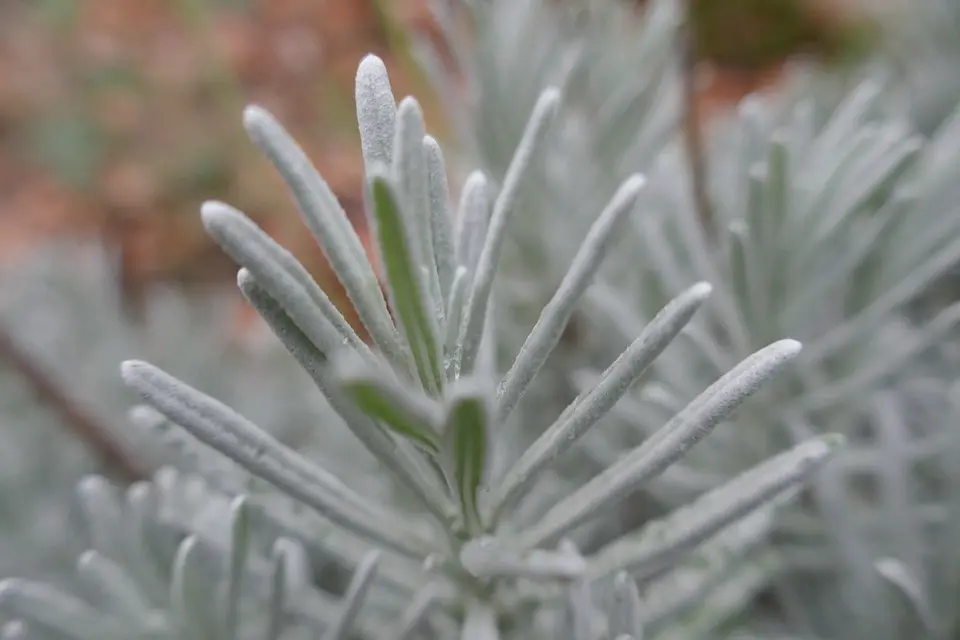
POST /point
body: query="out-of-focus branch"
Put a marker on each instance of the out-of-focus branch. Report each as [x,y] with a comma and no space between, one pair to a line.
[81,423]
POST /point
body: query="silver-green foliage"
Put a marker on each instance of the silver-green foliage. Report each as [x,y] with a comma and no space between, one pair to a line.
[618,76]
[833,217]
[484,545]
[40,464]
[921,41]
[171,559]
[62,309]
[830,223]
[62,313]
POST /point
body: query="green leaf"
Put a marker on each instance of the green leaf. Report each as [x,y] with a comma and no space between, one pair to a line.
[407,290]
[405,411]
[466,441]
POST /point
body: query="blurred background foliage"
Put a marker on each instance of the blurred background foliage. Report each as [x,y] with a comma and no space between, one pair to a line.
[118,118]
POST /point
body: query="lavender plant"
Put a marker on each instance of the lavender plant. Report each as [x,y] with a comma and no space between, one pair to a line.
[476,538]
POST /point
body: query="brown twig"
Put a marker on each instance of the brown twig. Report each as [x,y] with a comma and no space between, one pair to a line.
[692,124]
[74,417]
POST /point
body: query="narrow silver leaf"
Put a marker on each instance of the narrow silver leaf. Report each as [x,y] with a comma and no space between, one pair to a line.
[626,616]
[473,220]
[388,451]
[220,427]
[114,589]
[440,217]
[327,221]
[413,616]
[666,446]
[480,623]
[556,314]
[282,275]
[376,111]
[53,611]
[489,557]
[455,305]
[586,411]
[660,544]
[278,590]
[239,552]
[905,583]
[354,598]
[530,145]
[189,588]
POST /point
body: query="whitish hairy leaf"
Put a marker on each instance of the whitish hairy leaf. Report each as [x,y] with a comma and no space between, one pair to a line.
[190,588]
[555,316]
[220,427]
[440,217]
[906,585]
[115,590]
[490,557]
[473,218]
[626,616]
[408,296]
[114,533]
[413,184]
[480,623]
[386,449]
[583,620]
[421,604]
[327,221]
[529,147]
[666,446]
[586,411]
[47,609]
[376,111]
[278,590]
[659,545]
[455,305]
[282,275]
[239,552]
[465,434]
[405,411]
[354,598]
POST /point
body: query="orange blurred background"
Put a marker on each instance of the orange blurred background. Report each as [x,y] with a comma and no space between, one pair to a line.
[118,118]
